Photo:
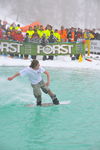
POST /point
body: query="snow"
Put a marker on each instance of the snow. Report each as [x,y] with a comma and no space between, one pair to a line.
[58,62]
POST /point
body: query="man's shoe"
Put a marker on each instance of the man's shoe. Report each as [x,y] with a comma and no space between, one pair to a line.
[56,101]
[39,103]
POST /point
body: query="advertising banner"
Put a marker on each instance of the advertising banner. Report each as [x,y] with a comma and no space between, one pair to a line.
[8,47]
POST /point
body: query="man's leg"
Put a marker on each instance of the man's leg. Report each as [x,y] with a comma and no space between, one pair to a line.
[37,93]
[53,97]
[46,90]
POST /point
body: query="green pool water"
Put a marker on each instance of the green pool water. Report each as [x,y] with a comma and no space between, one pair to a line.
[65,127]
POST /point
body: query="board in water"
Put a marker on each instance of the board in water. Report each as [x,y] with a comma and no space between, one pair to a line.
[49,104]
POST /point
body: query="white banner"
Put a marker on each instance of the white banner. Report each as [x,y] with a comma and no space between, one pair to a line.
[95,46]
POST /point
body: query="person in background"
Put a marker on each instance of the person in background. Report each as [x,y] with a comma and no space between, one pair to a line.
[4,26]
[13,33]
[0,23]
[19,36]
[40,31]
[51,39]
[97,35]
[72,35]
[1,33]
[57,35]
[26,38]
[34,72]
[35,37]
[12,26]
[48,30]
[93,33]
[30,31]
[43,41]
[79,34]
[63,34]
[17,27]
[88,36]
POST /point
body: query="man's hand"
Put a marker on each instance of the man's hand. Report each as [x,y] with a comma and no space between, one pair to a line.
[14,76]
[48,78]
[47,83]
[10,78]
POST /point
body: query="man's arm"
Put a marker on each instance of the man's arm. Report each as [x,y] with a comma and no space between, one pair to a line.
[14,76]
[48,78]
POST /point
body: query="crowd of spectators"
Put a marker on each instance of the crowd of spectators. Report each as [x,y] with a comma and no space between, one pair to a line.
[44,35]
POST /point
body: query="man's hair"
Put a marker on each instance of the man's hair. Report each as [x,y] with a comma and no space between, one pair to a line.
[34,63]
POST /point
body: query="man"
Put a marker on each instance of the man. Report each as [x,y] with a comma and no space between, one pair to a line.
[88,36]
[63,34]
[51,39]
[34,72]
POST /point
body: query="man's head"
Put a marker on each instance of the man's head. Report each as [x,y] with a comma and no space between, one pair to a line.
[35,64]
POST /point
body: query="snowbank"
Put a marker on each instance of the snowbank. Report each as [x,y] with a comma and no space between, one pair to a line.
[59,61]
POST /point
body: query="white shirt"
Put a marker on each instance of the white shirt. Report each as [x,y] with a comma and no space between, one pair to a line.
[33,75]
